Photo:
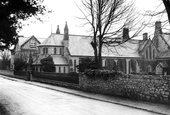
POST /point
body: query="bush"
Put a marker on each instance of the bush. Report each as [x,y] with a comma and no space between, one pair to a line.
[48,64]
[85,64]
[19,64]
[57,77]
[102,73]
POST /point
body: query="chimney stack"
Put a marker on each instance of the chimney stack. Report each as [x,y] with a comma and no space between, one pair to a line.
[58,30]
[145,36]
[125,33]
[158,29]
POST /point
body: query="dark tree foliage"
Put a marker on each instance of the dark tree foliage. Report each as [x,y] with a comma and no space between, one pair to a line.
[85,64]
[48,64]
[11,14]
[19,64]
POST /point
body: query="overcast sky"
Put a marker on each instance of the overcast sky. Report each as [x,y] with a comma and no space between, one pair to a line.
[66,10]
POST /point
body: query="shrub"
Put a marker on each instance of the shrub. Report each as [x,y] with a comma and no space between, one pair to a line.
[19,63]
[48,64]
[57,77]
[85,64]
[101,73]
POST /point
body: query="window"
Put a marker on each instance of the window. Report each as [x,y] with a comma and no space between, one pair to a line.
[60,51]
[32,44]
[64,69]
[149,68]
[150,52]
[55,50]
[45,50]
[70,62]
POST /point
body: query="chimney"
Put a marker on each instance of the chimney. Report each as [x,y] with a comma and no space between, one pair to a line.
[125,33]
[145,36]
[158,29]
[58,30]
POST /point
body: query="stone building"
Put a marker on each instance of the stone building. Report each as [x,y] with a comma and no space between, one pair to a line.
[25,47]
[67,50]
[134,56]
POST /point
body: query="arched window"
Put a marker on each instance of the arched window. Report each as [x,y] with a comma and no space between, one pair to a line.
[60,51]
[46,50]
[150,52]
[149,68]
[64,69]
[55,50]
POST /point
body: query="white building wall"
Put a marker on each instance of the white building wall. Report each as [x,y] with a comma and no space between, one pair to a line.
[128,69]
[62,69]
[75,62]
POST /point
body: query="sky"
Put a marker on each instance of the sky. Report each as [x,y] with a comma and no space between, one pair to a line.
[67,11]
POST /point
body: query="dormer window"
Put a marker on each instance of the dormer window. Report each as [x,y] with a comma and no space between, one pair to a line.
[32,44]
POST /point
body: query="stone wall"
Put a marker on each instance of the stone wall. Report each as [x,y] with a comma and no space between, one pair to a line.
[140,87]
[7,72]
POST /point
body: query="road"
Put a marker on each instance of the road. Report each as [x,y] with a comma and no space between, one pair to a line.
[25,99]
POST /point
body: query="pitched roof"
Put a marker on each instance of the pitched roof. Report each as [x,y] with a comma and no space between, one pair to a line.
[32,37]
[166,38]
[23,40]
[53,40]
[127,49]
[80,45]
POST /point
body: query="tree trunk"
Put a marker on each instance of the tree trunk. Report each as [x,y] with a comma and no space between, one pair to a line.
[100,53]
[94,45]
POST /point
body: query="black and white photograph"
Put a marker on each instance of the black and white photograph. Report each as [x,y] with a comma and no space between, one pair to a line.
[84,57]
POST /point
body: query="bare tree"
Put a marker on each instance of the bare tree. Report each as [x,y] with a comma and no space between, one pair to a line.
[161,12]
[167,7]
[107,19]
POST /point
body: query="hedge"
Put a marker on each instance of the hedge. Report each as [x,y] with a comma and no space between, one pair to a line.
[70,78]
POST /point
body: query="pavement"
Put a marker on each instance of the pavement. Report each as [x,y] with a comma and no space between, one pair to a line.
[146,106]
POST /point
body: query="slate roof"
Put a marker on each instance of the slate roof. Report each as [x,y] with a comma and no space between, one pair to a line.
[53,40]
[80,46]
[127,49]
[23,40]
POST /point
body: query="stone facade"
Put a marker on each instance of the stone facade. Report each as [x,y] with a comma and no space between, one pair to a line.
[140,87]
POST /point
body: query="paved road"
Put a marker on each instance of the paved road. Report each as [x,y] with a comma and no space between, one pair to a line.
[25,99]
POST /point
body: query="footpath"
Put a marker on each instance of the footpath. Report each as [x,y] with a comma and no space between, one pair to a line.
[146,106]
